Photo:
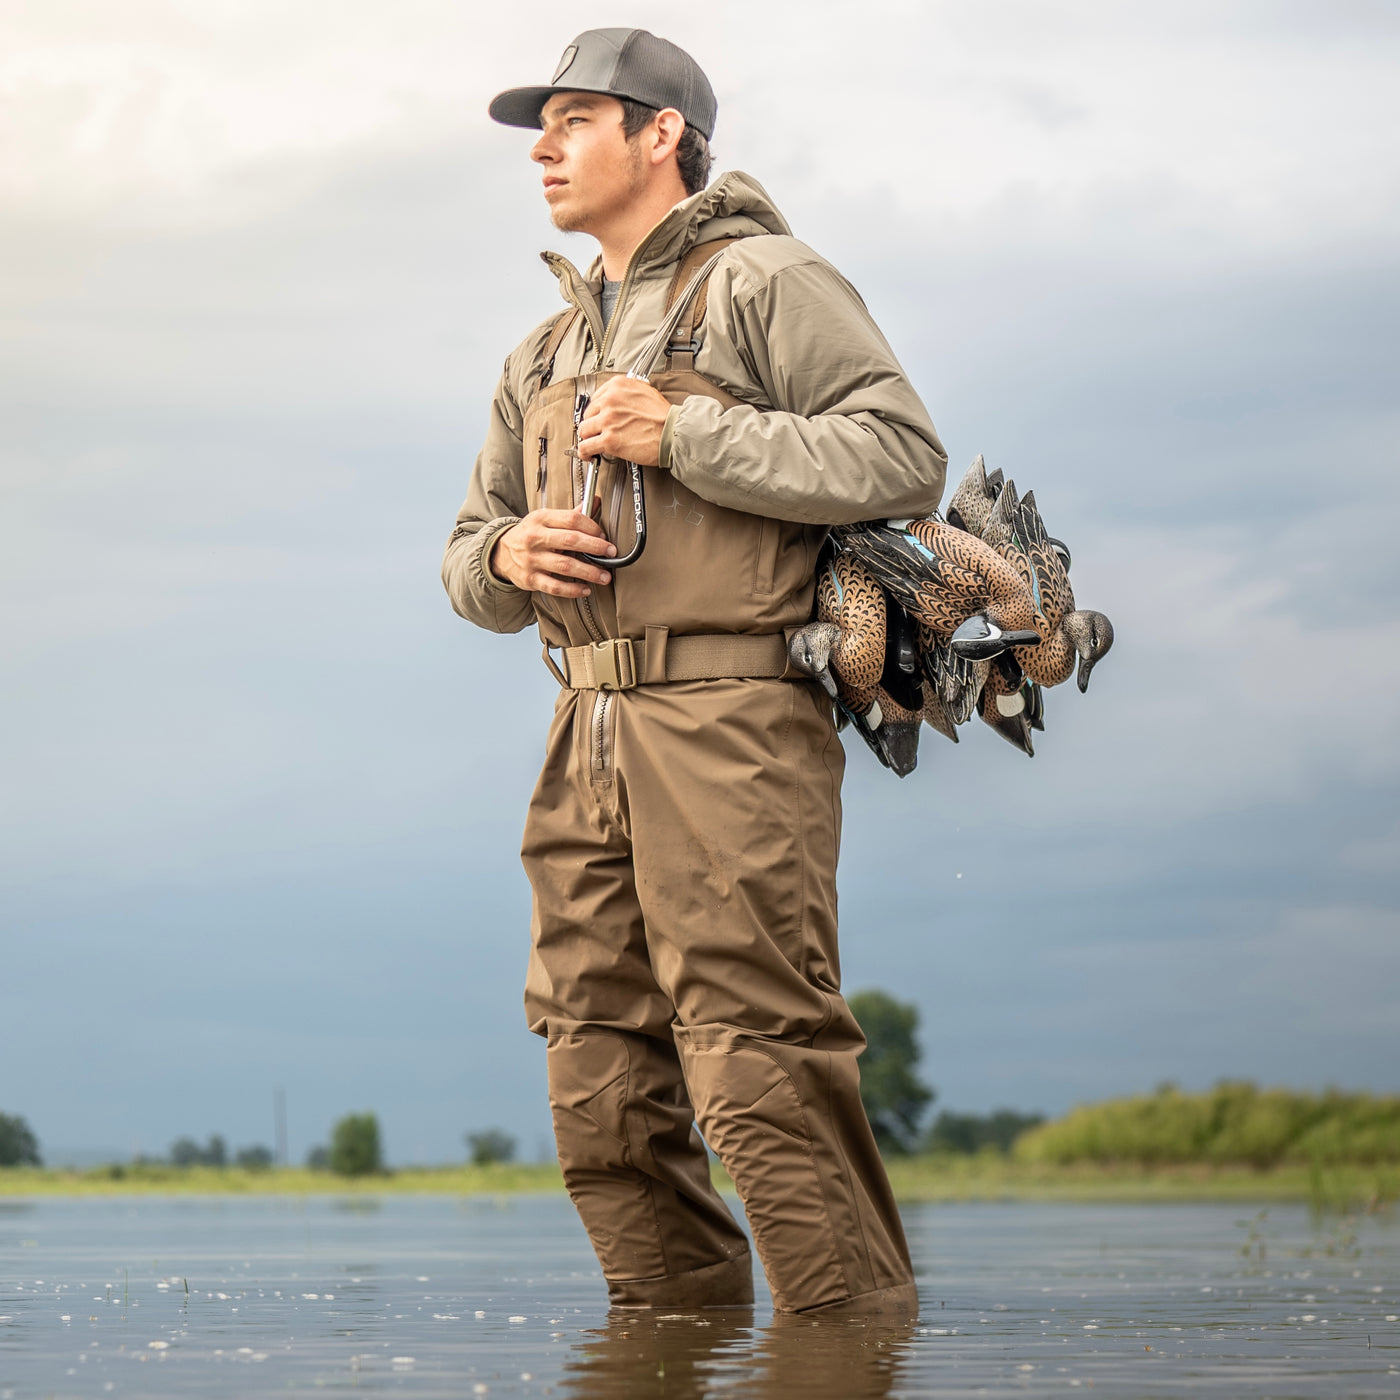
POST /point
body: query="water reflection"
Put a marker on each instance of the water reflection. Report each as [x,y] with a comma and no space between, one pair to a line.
[688,1356]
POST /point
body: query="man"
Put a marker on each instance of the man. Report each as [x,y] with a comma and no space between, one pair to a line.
[681,843]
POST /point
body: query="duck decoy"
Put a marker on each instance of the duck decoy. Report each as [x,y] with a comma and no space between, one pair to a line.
[862,651]
[931,621]
[1071,634]
[955,585]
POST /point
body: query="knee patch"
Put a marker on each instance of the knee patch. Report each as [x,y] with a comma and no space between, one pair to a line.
[588,1097]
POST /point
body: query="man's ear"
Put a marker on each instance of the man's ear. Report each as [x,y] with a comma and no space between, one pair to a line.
[668,124]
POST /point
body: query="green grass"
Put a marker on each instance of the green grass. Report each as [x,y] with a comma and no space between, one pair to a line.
[992,1177]
[1233,1124]
[986,1177]
[158,1179]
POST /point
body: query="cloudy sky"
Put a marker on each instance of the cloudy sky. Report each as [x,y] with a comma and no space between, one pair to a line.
[262,791]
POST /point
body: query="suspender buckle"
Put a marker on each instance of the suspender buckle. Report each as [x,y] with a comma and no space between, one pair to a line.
[614,664]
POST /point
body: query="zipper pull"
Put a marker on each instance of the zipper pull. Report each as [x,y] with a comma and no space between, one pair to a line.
[580,408]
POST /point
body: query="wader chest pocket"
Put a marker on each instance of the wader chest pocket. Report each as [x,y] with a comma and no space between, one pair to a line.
[557,478]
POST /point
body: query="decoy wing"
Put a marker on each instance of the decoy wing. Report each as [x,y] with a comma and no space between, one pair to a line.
[954,681]
[1055,596]
[941,574]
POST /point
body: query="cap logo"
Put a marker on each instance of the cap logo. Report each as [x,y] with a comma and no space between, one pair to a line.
[570,54]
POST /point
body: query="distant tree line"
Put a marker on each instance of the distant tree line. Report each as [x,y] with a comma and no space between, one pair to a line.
[970,1133]
[186,1152]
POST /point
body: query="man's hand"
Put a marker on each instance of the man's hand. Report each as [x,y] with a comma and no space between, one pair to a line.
[535,553]
[624,419]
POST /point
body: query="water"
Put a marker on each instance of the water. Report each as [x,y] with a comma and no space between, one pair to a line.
[436,1297]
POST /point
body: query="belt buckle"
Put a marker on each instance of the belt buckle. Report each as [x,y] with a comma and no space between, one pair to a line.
[614,664]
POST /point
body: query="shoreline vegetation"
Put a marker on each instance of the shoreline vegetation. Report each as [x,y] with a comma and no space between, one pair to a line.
[984,1177]
[1235,1142]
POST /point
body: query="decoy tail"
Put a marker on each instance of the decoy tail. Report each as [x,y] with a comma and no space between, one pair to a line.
[971,504]
[980,639]
[900,741]
[1006,705]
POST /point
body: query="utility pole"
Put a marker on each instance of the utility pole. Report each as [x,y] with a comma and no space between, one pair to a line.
[279,1117]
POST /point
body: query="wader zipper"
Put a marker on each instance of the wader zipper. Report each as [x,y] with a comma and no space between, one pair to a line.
[600,741]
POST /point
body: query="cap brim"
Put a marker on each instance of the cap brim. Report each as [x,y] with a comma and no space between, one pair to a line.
[522,106]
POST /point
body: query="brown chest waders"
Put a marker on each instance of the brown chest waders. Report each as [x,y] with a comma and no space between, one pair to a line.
[681,847]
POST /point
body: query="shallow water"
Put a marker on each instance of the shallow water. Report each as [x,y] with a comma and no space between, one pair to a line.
[436,1297]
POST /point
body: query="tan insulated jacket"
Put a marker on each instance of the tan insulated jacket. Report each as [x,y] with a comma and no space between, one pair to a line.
[826,428]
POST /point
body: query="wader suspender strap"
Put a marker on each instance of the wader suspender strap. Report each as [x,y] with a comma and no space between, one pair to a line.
[681,343]
[680,351]
[556,338]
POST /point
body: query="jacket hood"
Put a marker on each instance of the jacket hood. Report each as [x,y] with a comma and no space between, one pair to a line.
[735,206]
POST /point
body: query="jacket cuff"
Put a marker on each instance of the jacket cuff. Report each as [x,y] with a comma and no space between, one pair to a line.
[668,435]
[486,542]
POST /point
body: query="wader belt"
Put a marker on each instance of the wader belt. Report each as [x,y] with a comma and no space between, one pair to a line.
[621,663]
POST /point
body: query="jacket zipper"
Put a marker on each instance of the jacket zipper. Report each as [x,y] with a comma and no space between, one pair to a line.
[555,261]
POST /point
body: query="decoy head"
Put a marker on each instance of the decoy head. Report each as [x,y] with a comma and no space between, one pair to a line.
[980,639]
[1092,635]
[810,652]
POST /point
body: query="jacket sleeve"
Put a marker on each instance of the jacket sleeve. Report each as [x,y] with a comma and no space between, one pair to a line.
[848,438]
[495,501]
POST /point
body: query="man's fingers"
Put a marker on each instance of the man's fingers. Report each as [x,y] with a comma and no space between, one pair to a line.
[548,552]
[570,520]
[570,566]
[566,540]
[557,587]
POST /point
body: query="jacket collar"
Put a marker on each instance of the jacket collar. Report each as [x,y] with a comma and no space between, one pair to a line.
[735,206]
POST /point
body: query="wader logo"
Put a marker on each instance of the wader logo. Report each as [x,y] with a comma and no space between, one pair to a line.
[570,54]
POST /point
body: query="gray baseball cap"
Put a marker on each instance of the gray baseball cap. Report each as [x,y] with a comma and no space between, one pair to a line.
[621,63]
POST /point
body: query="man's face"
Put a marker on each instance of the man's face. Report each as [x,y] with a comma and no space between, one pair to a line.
[591,171]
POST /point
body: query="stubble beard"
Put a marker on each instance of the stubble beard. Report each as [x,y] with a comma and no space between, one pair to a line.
[585,220]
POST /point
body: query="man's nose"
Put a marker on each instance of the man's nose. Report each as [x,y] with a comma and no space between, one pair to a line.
[543,150]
